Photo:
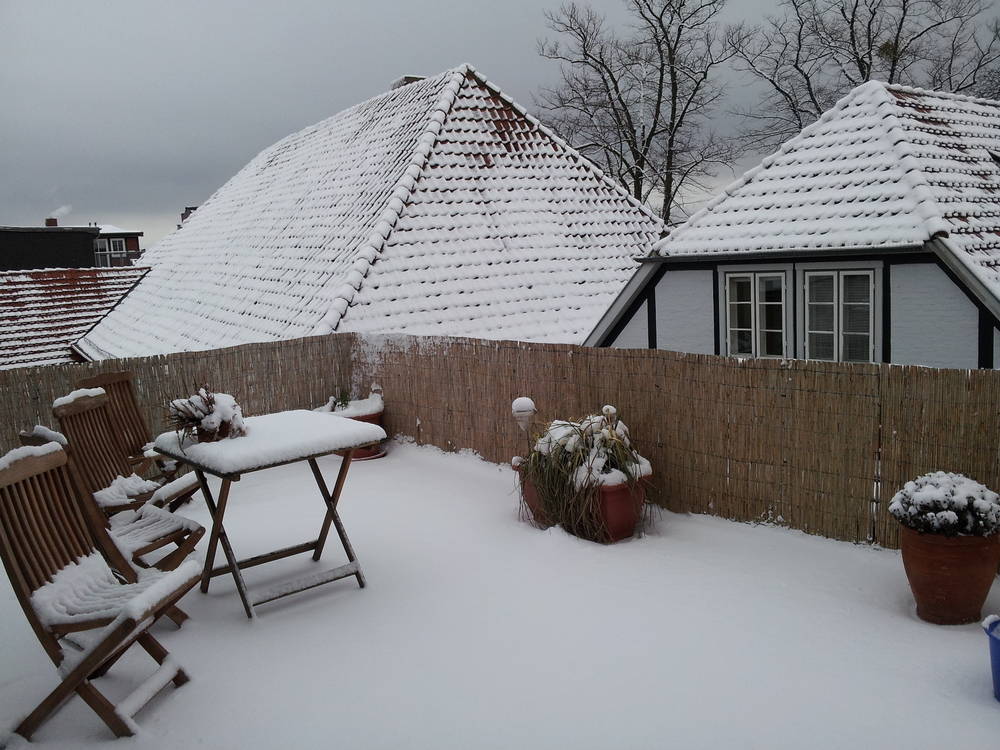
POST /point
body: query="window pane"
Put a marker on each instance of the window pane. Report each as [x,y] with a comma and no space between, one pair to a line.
[769,289]
[820,318]
[856,348]
[821,346]
[772,344]
[820,288]
[771,317]
[740,315]
[856,318]
[740,342]
[857,288]
[739,289]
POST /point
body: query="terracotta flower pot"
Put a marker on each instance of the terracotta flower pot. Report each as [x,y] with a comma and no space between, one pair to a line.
[376,451]
[621,506]
[531,499]
[212,436]
[950,576]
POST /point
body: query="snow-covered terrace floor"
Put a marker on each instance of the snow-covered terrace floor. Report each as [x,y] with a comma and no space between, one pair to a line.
[478,631]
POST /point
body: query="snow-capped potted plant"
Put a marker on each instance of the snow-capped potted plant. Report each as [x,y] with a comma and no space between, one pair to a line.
[585,476]
[950,544]
[368,409]
[206,417]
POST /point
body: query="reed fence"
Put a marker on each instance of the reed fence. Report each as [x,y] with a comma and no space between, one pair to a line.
[815,446]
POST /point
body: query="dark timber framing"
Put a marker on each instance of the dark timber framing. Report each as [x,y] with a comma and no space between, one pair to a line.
[889,257]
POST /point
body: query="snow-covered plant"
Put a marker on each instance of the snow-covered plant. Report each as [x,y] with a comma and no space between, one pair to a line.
[945,503]
[206,417]
[570,461]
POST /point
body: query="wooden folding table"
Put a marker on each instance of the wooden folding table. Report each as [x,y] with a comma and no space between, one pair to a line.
[275,440]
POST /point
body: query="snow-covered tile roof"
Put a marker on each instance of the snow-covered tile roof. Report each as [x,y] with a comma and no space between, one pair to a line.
[43,312]
[438,207]
[886,166]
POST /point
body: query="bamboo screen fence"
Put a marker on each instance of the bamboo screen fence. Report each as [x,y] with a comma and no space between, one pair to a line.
[814,446]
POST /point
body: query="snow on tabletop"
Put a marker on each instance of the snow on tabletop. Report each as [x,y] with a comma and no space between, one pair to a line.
[43,432]
[69,398]
[274,438]
[123,489]
[26,451]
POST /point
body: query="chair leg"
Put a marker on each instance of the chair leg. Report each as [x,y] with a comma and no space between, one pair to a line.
[177,615]
[101,706]
[105,709]
[155,649]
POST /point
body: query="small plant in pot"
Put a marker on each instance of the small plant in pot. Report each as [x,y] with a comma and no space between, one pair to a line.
[206,417]
[949,543]
[368,409]
[585,476]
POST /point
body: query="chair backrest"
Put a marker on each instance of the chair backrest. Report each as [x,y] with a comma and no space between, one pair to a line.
[42,525]
[98,456]
[124,405]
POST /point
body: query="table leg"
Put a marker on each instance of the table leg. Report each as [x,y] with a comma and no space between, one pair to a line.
[331,512]
[218,536]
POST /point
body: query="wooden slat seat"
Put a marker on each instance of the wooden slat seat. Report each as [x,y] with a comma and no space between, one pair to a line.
[139,532]
[98,454]
[85,609]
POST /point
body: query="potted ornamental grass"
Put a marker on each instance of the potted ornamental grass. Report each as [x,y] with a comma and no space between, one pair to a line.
[949,543]
[584,476]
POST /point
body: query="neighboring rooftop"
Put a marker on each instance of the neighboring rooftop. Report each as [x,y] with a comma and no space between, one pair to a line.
[43,312]
[887,166]
[439,207]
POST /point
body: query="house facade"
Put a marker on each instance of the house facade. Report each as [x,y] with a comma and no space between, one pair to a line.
[54,246]
[872,236]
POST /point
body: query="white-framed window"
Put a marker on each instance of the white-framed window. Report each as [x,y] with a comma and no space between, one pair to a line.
[840,315]
[102,256]
[755,314]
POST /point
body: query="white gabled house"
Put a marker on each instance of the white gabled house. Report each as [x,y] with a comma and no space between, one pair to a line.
[872,236]
[440,207]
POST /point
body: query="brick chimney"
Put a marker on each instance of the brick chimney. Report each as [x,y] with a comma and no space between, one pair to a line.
[51,222]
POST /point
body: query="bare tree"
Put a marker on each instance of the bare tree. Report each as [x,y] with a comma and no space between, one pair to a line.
[639,102]
[818,50]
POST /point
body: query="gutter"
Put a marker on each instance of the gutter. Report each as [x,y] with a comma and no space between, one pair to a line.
[777,255]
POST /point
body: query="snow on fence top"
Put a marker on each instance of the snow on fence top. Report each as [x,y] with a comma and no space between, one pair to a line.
[886,166]
[440,207]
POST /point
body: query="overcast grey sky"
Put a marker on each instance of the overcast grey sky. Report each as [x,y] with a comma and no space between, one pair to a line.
[128,110]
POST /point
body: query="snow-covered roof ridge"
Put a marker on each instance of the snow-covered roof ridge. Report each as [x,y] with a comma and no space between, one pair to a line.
[390,215]
[439,207]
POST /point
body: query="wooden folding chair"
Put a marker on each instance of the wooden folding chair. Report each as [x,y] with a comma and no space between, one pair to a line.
[140,532]
[132,429]
[84,614]
[99,457]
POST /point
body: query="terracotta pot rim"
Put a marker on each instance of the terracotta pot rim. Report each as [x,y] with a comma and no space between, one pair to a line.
[970,540]
[624,484]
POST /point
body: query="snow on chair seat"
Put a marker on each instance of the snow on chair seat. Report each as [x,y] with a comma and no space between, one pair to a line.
[84,614]
[87,593]
[139,532]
